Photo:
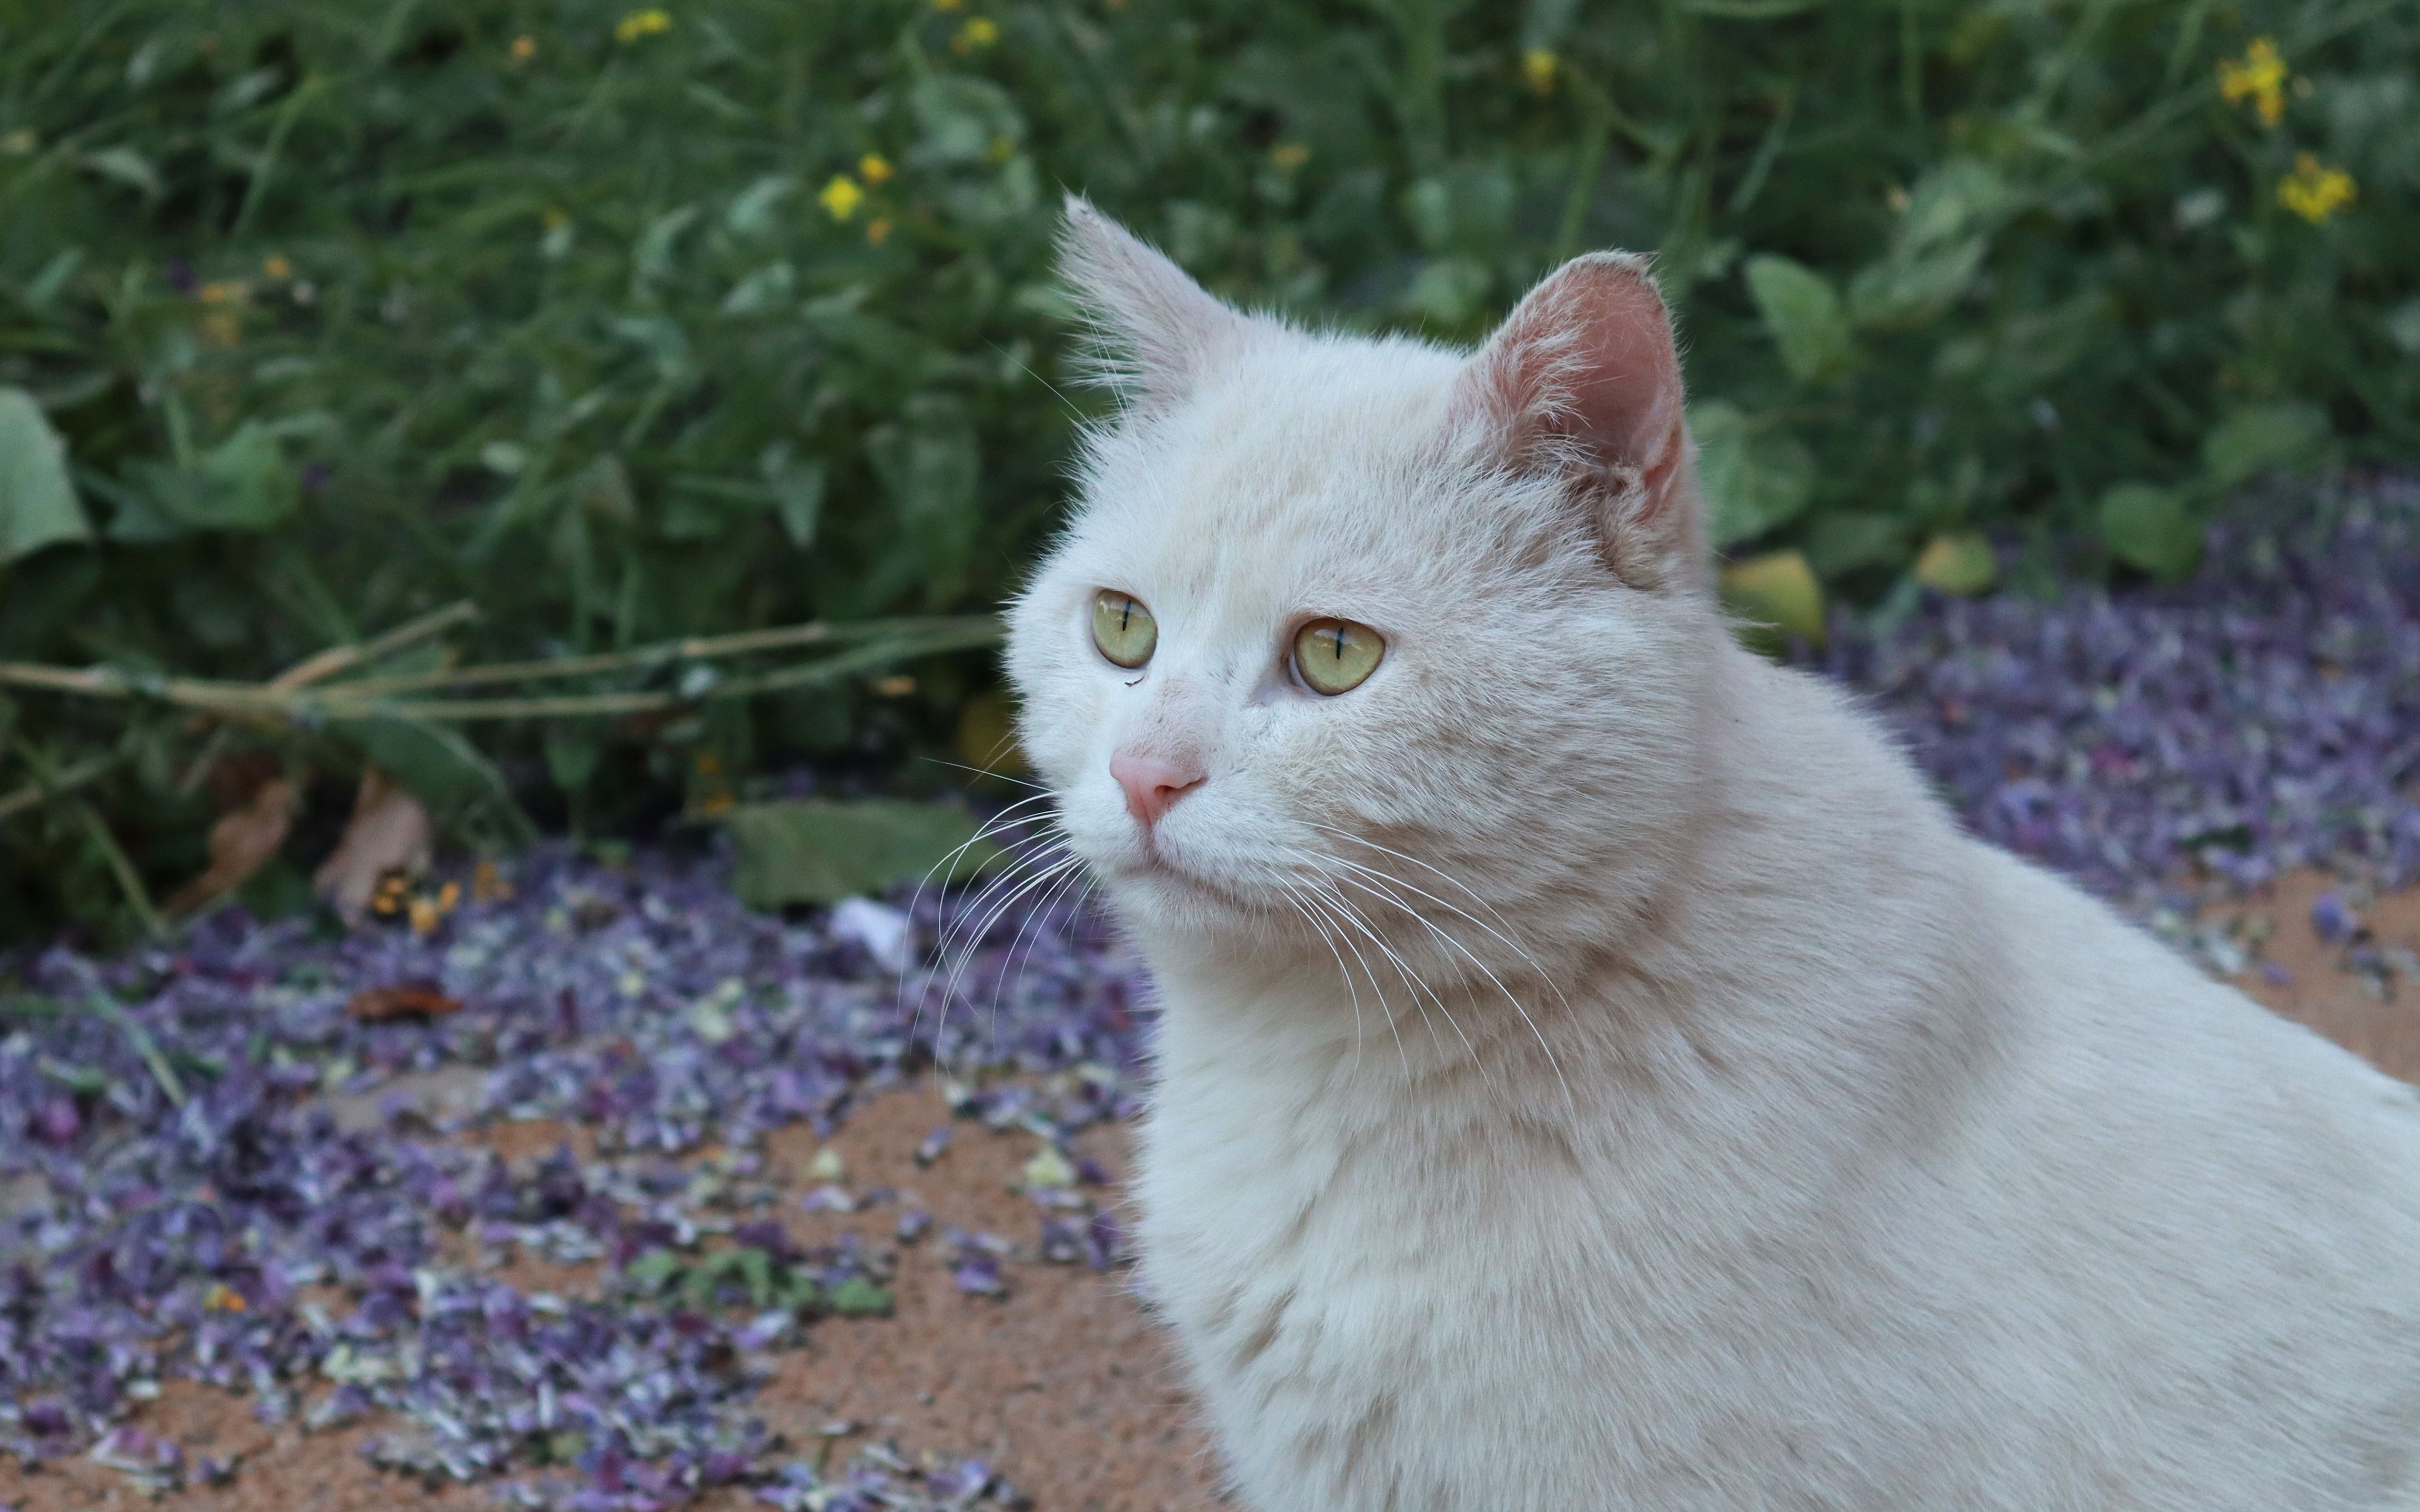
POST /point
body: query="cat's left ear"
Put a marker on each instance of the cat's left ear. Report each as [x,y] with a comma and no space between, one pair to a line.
[1582,382]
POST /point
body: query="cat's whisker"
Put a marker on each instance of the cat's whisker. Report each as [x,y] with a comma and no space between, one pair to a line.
[1025,871]
[995,900]
[1353,878]
[1016,960]
[1506,940]
[1303,909]
[1000,823]
[991,908]
[986,771]
[1418,984]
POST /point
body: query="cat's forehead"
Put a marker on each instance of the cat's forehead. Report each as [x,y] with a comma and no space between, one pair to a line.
[1312,466]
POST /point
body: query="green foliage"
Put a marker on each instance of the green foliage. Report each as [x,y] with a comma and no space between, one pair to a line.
[629,330]
[822,850]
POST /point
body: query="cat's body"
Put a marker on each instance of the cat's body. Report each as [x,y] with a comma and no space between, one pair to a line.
[1733,1133]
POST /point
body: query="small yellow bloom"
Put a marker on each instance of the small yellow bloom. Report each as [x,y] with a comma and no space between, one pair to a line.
[487,885]
[896,686]
[2315,192]
[715,803]
[2258,76]
[877,230]
[277,267]
[1289,156]
[876,167]
[423,915]
[978,31]
[18,143]
[640,24]
[1538,65]
[949,5]
[524,49]
[223,1299]
[842,196]
[225,291]
[449,897]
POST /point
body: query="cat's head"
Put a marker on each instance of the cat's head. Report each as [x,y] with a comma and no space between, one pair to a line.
[1344,626]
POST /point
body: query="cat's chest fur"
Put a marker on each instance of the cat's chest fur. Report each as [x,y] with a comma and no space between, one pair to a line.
[1447,1303]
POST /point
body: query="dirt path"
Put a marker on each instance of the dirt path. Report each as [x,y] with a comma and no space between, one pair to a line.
[1065,1384]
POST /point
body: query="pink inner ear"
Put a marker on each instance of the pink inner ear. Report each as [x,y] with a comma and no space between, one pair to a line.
[1585,362]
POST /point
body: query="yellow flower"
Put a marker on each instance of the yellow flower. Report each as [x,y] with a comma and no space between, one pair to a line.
[487,884]
[225,291]
[640,24]
[979,31]
[715,803]
[876,167]
[1538,65]
[449,897]
[1289,155]
[946,5]
[877,230]
[423,915]
[223,1299]
[525,48]
[277,267]
[2260,76]
[842,196]
[2315,192]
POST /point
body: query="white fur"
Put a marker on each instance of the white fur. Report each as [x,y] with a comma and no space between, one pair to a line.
[1759,1140]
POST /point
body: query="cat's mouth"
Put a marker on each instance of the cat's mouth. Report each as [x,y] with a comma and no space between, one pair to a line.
[1151,865]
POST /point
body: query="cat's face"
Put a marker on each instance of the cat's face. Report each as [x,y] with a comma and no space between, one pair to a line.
[1344,626]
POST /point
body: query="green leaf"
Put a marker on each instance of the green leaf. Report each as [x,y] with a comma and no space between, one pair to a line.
[1803,313]
[1776,590]
[822,850]
[1908,290]
[37,501]
[242,483]
[928,464]
[442,768]
[2150,527]
[1840,543]
[1755,477]
[2252,440]
[857,1297]
[1961,564]
[798,484]
[652,1269]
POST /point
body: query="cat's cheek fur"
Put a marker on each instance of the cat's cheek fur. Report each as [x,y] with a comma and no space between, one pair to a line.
[1701,1122]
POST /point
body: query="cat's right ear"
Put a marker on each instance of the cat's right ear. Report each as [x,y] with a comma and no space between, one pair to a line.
[1155,329]
[1582,383]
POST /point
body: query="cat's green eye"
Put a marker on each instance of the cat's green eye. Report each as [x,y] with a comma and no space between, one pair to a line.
[1123,628]
[1336,655]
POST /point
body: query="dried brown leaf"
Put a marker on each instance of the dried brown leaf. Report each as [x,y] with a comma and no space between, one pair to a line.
[405,999]
[389,832]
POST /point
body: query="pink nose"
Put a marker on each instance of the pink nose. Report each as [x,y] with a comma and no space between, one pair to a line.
[1152,783]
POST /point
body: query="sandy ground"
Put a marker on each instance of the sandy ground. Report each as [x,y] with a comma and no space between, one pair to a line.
[1066,1385]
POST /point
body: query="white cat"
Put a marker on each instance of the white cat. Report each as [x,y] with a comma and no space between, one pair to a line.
[1594,1073]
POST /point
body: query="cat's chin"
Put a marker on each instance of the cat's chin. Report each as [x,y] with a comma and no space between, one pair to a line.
[1175,896]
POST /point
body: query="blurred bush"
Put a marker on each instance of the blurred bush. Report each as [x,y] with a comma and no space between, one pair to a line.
[634,323]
